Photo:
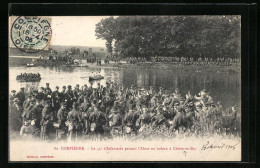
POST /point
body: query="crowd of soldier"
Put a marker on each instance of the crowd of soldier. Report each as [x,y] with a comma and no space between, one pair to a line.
[27,76]
[115,111]
[187,60]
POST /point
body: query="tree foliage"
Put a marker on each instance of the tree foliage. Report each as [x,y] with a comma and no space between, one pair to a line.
[189,36]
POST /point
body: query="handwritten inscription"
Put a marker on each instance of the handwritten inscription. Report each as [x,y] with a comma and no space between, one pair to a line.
[209,146]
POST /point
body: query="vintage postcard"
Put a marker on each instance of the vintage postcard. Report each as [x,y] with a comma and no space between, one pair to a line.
[125,88]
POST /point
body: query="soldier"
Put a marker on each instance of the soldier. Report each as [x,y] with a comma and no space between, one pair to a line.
[76,92]
[144,119]
[70,97]
[15,120]
[189,97]
[158,119]
[26,103]
[12,97]
[27,129]
[61,126]
[37,112]
[85,115]
[63,94]
[28,113]
[55,99]
[178,120]
[75,126]
[29,116]
[97,119]
[176,94]
[21,96]
[48,87]
[47,118]
[130,121]
[115,123]
[41,93]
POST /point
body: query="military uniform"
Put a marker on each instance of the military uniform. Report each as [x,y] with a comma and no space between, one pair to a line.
[47,117]
[55,100]
[130,121]
[15,120]
[115,123]
[85,115]
[12,97]
[37,114]
[70,97]
[62,118]
[28,113]
[21,96]
[74,117]
[158,120]
[97,119]
[178,121]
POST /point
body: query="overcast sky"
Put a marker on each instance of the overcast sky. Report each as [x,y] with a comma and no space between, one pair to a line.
[76,30]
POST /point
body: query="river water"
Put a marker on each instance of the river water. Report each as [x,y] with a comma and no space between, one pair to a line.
[224,87]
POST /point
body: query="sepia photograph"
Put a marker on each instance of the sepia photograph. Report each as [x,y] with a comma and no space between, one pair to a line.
[125,88]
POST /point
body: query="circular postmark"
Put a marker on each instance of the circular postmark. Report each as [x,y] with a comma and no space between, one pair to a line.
[31,33]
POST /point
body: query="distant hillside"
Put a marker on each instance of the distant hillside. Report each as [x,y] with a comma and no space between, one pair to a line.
[59,48]
[17,52]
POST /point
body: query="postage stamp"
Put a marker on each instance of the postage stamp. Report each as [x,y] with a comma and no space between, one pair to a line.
[31,33]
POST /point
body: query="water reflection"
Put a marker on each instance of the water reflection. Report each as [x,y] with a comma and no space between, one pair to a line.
[224,87]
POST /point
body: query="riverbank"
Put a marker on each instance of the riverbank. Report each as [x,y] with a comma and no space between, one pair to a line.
[19,61]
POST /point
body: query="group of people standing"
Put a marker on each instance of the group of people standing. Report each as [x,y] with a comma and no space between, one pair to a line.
[186,60]
[112,111]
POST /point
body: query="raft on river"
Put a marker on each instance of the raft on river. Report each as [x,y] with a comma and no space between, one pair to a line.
[98,77]
[28,78]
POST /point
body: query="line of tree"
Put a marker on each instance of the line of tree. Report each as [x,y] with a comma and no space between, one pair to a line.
[188,36]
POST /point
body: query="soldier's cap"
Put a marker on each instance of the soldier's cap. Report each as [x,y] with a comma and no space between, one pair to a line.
[16,100]
[42,88]
[69,86]
[57,87]
[77,85]
[47,84]
[13,91]
[64,87]
[85,85]
[22,88]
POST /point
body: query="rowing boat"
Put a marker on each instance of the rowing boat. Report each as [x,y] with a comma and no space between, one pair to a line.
[98,77]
